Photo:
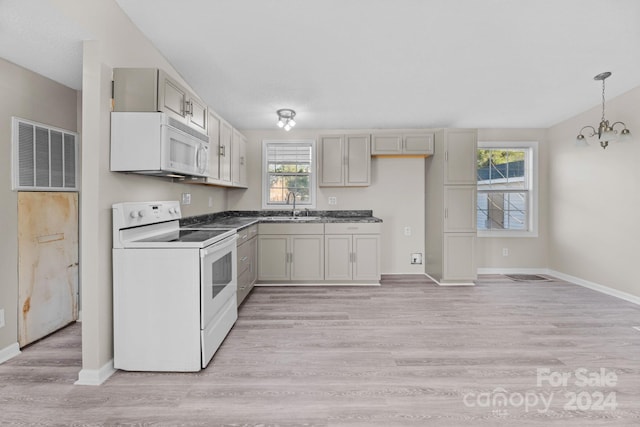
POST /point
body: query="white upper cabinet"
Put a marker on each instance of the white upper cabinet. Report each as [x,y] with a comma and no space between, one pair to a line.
[151,89]
[399,144]
[226,132]
[238,156]
[214,146]
[460,146]
[344,161]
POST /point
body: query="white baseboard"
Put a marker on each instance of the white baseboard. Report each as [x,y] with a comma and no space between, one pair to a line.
[566,277]
[95,376]
[514,271]
[318,284]
[597,287]
[9,352]
[450,283]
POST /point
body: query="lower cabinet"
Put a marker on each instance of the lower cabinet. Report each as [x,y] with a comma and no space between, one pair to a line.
[291,252]
[459,261]
[352,251]
[247,261]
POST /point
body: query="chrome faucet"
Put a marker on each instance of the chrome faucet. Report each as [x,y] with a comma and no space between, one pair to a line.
[293,212]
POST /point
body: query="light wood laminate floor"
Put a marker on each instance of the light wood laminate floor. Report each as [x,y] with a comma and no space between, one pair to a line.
[407,353]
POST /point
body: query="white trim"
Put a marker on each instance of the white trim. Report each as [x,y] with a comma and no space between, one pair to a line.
[597,287]
[95,376]
[319,284]
[10,351]
[567,278]
[450,283]
[533,190]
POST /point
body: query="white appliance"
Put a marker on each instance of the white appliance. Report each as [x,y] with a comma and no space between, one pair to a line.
[174,290]
[156,144]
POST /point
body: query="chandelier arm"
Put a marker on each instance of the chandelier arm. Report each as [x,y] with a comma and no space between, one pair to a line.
[593,130]
[619,123]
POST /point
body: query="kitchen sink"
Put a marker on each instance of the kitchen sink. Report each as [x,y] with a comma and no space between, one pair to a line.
[291,218]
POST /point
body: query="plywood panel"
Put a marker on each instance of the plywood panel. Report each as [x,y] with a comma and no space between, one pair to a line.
[47,263]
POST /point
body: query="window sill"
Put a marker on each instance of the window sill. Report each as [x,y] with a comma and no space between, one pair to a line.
[507,234]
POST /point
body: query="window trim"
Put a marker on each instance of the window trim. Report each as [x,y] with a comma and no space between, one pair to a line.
[265,174]
[533,202]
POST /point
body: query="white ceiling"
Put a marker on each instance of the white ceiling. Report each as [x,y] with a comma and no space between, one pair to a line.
[374,63]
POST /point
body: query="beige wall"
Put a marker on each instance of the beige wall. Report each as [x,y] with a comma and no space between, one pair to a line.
[29,96]
[594,200]
[118,44]
[524,252]
[396,195]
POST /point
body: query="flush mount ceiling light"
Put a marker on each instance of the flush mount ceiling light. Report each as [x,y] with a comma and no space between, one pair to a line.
[285,118]
[605,131]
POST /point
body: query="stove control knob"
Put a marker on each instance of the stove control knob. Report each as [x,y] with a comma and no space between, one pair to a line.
[133,214]
[172,211]
[140,214]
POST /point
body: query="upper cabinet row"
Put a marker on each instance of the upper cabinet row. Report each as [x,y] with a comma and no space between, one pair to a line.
[227,154]
[152,89]
[345,160]
[402,144]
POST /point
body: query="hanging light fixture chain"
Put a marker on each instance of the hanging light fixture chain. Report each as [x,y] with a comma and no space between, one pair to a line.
[603,99]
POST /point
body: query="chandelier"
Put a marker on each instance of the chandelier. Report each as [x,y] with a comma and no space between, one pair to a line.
[285,118]
[606,133]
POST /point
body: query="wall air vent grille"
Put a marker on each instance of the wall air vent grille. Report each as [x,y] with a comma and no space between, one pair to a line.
[44,158]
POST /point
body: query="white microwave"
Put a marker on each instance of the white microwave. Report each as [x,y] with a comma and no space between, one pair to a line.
[156,144]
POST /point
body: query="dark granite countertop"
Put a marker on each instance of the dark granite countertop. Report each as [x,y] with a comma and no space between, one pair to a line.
[242,219]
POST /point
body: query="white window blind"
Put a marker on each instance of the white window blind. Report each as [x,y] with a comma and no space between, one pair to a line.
[289,168]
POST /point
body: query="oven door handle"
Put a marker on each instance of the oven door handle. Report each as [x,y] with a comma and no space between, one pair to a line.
[228,241]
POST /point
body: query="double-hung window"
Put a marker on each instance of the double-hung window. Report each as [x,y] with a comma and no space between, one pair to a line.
[507,197]
[288,172]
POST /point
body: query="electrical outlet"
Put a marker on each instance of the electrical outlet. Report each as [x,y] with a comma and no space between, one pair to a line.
[2,318]
[333,200]
[210,201]
[505,251]
[416,258]
[186,198]
[407,231]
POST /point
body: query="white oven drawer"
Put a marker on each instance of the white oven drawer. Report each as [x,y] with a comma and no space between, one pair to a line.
[215,333]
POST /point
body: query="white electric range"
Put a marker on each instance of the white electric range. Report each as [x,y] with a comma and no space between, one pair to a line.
[174,290]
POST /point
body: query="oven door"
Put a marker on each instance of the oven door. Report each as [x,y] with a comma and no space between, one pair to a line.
[218,272]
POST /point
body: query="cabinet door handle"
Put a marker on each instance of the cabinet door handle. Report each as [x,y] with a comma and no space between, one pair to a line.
[221,150]
[242,160]
[446,156]
[446,212]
